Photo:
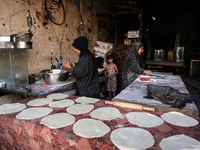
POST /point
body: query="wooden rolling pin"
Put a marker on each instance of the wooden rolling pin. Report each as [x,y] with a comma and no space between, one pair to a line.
[129,105]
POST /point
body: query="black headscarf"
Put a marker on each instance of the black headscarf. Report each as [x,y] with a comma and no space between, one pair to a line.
[81,43]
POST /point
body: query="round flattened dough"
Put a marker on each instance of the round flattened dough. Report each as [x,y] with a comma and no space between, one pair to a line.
[86,100]
[11,108]
[58,120]
[180,141]
[62,103]
[179,119]
[90,128]
[144,119]
[106,113]
[79,109]
[34,113]
[57,96]
[40,102]
[130,138]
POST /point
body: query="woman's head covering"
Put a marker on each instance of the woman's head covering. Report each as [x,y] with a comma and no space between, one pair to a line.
[81,43]
[137,46]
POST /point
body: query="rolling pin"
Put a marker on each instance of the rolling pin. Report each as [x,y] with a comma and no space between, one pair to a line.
[129,105]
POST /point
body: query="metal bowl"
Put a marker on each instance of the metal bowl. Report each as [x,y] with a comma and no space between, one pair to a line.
[26,37]
[52,76]
[23,45]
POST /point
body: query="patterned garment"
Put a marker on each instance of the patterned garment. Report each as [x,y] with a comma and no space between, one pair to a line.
[131,67]
[111,83]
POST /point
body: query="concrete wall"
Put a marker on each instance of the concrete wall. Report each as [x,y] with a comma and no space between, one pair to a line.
[52,40]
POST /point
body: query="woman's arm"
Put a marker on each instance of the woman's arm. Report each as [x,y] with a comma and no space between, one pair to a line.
[147,72]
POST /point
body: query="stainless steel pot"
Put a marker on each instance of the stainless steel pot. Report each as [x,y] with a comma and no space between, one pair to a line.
[26,37]
[52,76]
[23,45]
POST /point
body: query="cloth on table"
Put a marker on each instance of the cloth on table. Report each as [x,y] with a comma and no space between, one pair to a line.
[168,95]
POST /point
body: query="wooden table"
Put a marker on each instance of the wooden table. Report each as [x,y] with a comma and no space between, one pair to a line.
[176,65]
[31,135]
[136,91]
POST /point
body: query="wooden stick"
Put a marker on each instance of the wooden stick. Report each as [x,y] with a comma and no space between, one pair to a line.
[129,105]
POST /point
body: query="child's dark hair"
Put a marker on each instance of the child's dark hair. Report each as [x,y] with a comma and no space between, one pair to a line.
[110,56]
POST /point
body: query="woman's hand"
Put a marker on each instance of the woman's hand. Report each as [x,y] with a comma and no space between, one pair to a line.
[73,64]
[148,72]
[67,65]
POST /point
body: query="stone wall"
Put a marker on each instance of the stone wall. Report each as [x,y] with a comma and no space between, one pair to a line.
[52,40]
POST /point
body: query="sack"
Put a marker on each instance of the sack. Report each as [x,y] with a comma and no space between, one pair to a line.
[168,95]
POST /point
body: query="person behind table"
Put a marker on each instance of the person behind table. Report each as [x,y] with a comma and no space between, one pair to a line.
[131,67]
[102,78]
[85,70]
[111,71]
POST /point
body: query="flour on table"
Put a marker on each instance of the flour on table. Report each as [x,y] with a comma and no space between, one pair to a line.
[57,96]
[79,109]
[86,100]
[62,103]
[40,102]
[58,120]
[34,113]
[179,119]
[130,138]
[11,108]
[106,113]
[90,128]
[181,142]
[144,119]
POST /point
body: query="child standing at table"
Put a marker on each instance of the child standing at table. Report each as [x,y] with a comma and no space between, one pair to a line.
[111,71]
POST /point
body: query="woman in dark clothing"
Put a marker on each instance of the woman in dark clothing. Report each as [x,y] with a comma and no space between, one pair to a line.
[85,71]
[131,68]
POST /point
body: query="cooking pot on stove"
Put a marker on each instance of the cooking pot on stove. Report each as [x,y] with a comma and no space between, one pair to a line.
[52,76]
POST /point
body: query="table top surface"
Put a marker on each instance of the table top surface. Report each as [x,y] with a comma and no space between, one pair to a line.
[39,88]
[136,91]
[32,134]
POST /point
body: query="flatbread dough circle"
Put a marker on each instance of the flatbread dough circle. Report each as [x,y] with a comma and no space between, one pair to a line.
[181,142]
[62,103]
[40,102]
[11,108]
[144,119]
[179,119]
[57,96]
[34,113]
[58,120]
[79,109]
[106,113]
[130,138]
[90,128]
[86,100]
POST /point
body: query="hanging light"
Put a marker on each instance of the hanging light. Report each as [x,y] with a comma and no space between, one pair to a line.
[153,18]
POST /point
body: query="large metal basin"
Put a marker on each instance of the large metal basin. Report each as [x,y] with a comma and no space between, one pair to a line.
[52,76]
